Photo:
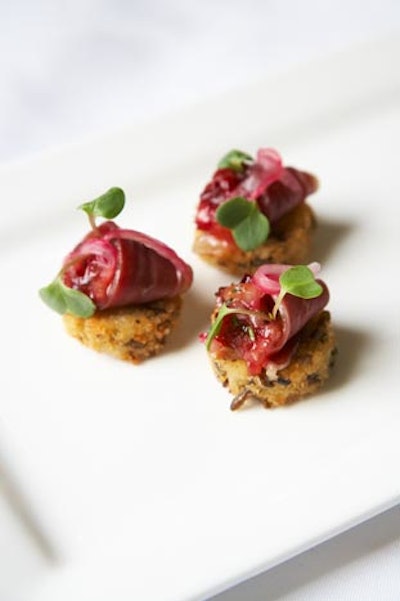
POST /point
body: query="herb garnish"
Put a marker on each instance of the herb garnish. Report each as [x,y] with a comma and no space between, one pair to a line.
[236,160]
[57,295]
[250,228]
[63,299]
[298,281]
[108,205]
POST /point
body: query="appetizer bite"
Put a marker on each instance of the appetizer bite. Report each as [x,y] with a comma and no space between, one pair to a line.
[119,290]
[253,211]
[270,337]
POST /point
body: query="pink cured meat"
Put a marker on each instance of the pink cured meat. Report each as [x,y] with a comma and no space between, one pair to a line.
[294,311]
[117,267]
[276,189]
[286,193]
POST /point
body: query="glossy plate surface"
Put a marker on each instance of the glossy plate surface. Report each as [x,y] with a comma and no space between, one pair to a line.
[140,482]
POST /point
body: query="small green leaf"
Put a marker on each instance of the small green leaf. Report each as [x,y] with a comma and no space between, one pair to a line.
[63,300]
[233,211]
[250,228]
[53,296]
[78,303]
[108,205]
[252,231]
[300,281]
[235,159]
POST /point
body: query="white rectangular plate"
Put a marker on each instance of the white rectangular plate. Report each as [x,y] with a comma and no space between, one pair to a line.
[144,482]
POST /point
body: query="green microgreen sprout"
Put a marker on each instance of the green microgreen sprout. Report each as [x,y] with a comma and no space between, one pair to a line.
[236,160]
[250,227]
[298,281]
[63,299]
[108,205]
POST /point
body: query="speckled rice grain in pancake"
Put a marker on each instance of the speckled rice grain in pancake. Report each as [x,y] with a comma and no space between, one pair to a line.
[309,368]
[133,333]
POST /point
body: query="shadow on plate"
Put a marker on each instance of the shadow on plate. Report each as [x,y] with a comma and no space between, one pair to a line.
[351,346]
[194,319]
[329,235]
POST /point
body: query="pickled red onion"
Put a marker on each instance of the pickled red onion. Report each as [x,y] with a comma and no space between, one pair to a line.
[263,172]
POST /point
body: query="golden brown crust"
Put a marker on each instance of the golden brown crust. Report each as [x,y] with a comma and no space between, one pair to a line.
[308,370]
[132,333]
[290,243]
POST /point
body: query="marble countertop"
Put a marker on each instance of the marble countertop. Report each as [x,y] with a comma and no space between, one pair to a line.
[71,69]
